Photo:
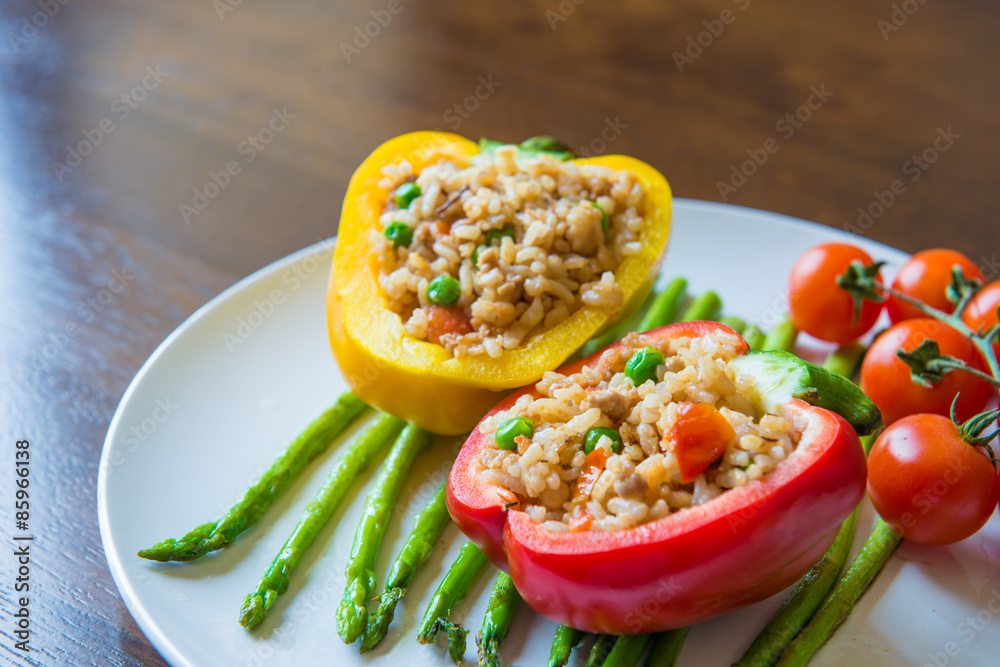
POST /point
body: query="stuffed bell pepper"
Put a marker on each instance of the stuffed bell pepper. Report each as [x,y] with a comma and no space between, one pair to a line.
[465,270]
[665,480]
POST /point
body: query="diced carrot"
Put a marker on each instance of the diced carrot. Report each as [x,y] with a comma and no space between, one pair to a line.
[442,228]
[700,436]
[443,320]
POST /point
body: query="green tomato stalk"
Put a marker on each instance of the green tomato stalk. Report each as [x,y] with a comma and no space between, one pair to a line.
[926,362]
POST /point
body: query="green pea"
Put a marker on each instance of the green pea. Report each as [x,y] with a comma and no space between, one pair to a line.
[399,233]
[642,366]
[511,429]
[444,291]
[475,254]
[406,193]
[604,216]
[498,234]
[591,437]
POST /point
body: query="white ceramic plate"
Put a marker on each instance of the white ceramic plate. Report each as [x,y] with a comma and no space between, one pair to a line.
[212,407]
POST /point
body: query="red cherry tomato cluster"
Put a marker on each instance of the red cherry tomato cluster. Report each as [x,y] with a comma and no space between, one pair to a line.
[925,479]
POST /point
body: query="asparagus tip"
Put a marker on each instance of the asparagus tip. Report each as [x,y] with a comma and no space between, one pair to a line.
[351,622]
[378,623]
[254,610]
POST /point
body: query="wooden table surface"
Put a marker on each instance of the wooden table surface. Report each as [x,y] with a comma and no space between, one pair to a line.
[115,112]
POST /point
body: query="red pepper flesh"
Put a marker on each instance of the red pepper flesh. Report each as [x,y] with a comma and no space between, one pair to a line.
[741,547]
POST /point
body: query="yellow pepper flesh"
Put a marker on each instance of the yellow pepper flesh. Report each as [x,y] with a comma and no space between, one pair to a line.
[419,381]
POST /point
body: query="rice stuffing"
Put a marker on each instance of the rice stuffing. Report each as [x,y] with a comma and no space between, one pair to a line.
[478,258]
[640,477]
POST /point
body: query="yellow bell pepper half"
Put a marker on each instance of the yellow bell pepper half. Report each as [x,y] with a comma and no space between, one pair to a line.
[419,381]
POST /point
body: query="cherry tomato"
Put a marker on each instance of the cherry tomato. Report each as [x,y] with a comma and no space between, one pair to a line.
[886,378]
[981,313]
[931,486]
[926,277]
[818,305]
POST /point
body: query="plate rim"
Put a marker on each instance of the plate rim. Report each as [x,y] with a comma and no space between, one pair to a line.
[132,601]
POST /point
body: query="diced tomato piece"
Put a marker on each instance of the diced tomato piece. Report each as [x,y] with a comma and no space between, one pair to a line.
[593,466]
[701,435]
[581,520]
[443,320]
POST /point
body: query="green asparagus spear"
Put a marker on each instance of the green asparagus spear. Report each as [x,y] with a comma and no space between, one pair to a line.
[600,650]
[427,528]
[666,648]
[617,332]
[351,463]
[807,597]
[500,612]
[450,591]
[655,311]
[781,336]
[705,307]
[309,444]
[814,587]
[665,306]
[754,337]
[566,638]
[876,552]
[846,359]
[352,613]
[627,651]
[734,323]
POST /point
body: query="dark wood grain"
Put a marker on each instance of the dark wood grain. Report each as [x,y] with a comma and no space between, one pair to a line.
[71,236]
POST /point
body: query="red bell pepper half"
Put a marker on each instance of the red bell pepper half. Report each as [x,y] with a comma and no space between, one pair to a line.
[741,547]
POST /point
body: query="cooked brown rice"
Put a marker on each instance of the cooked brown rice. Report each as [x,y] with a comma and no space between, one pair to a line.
[643,482]
[558,259]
